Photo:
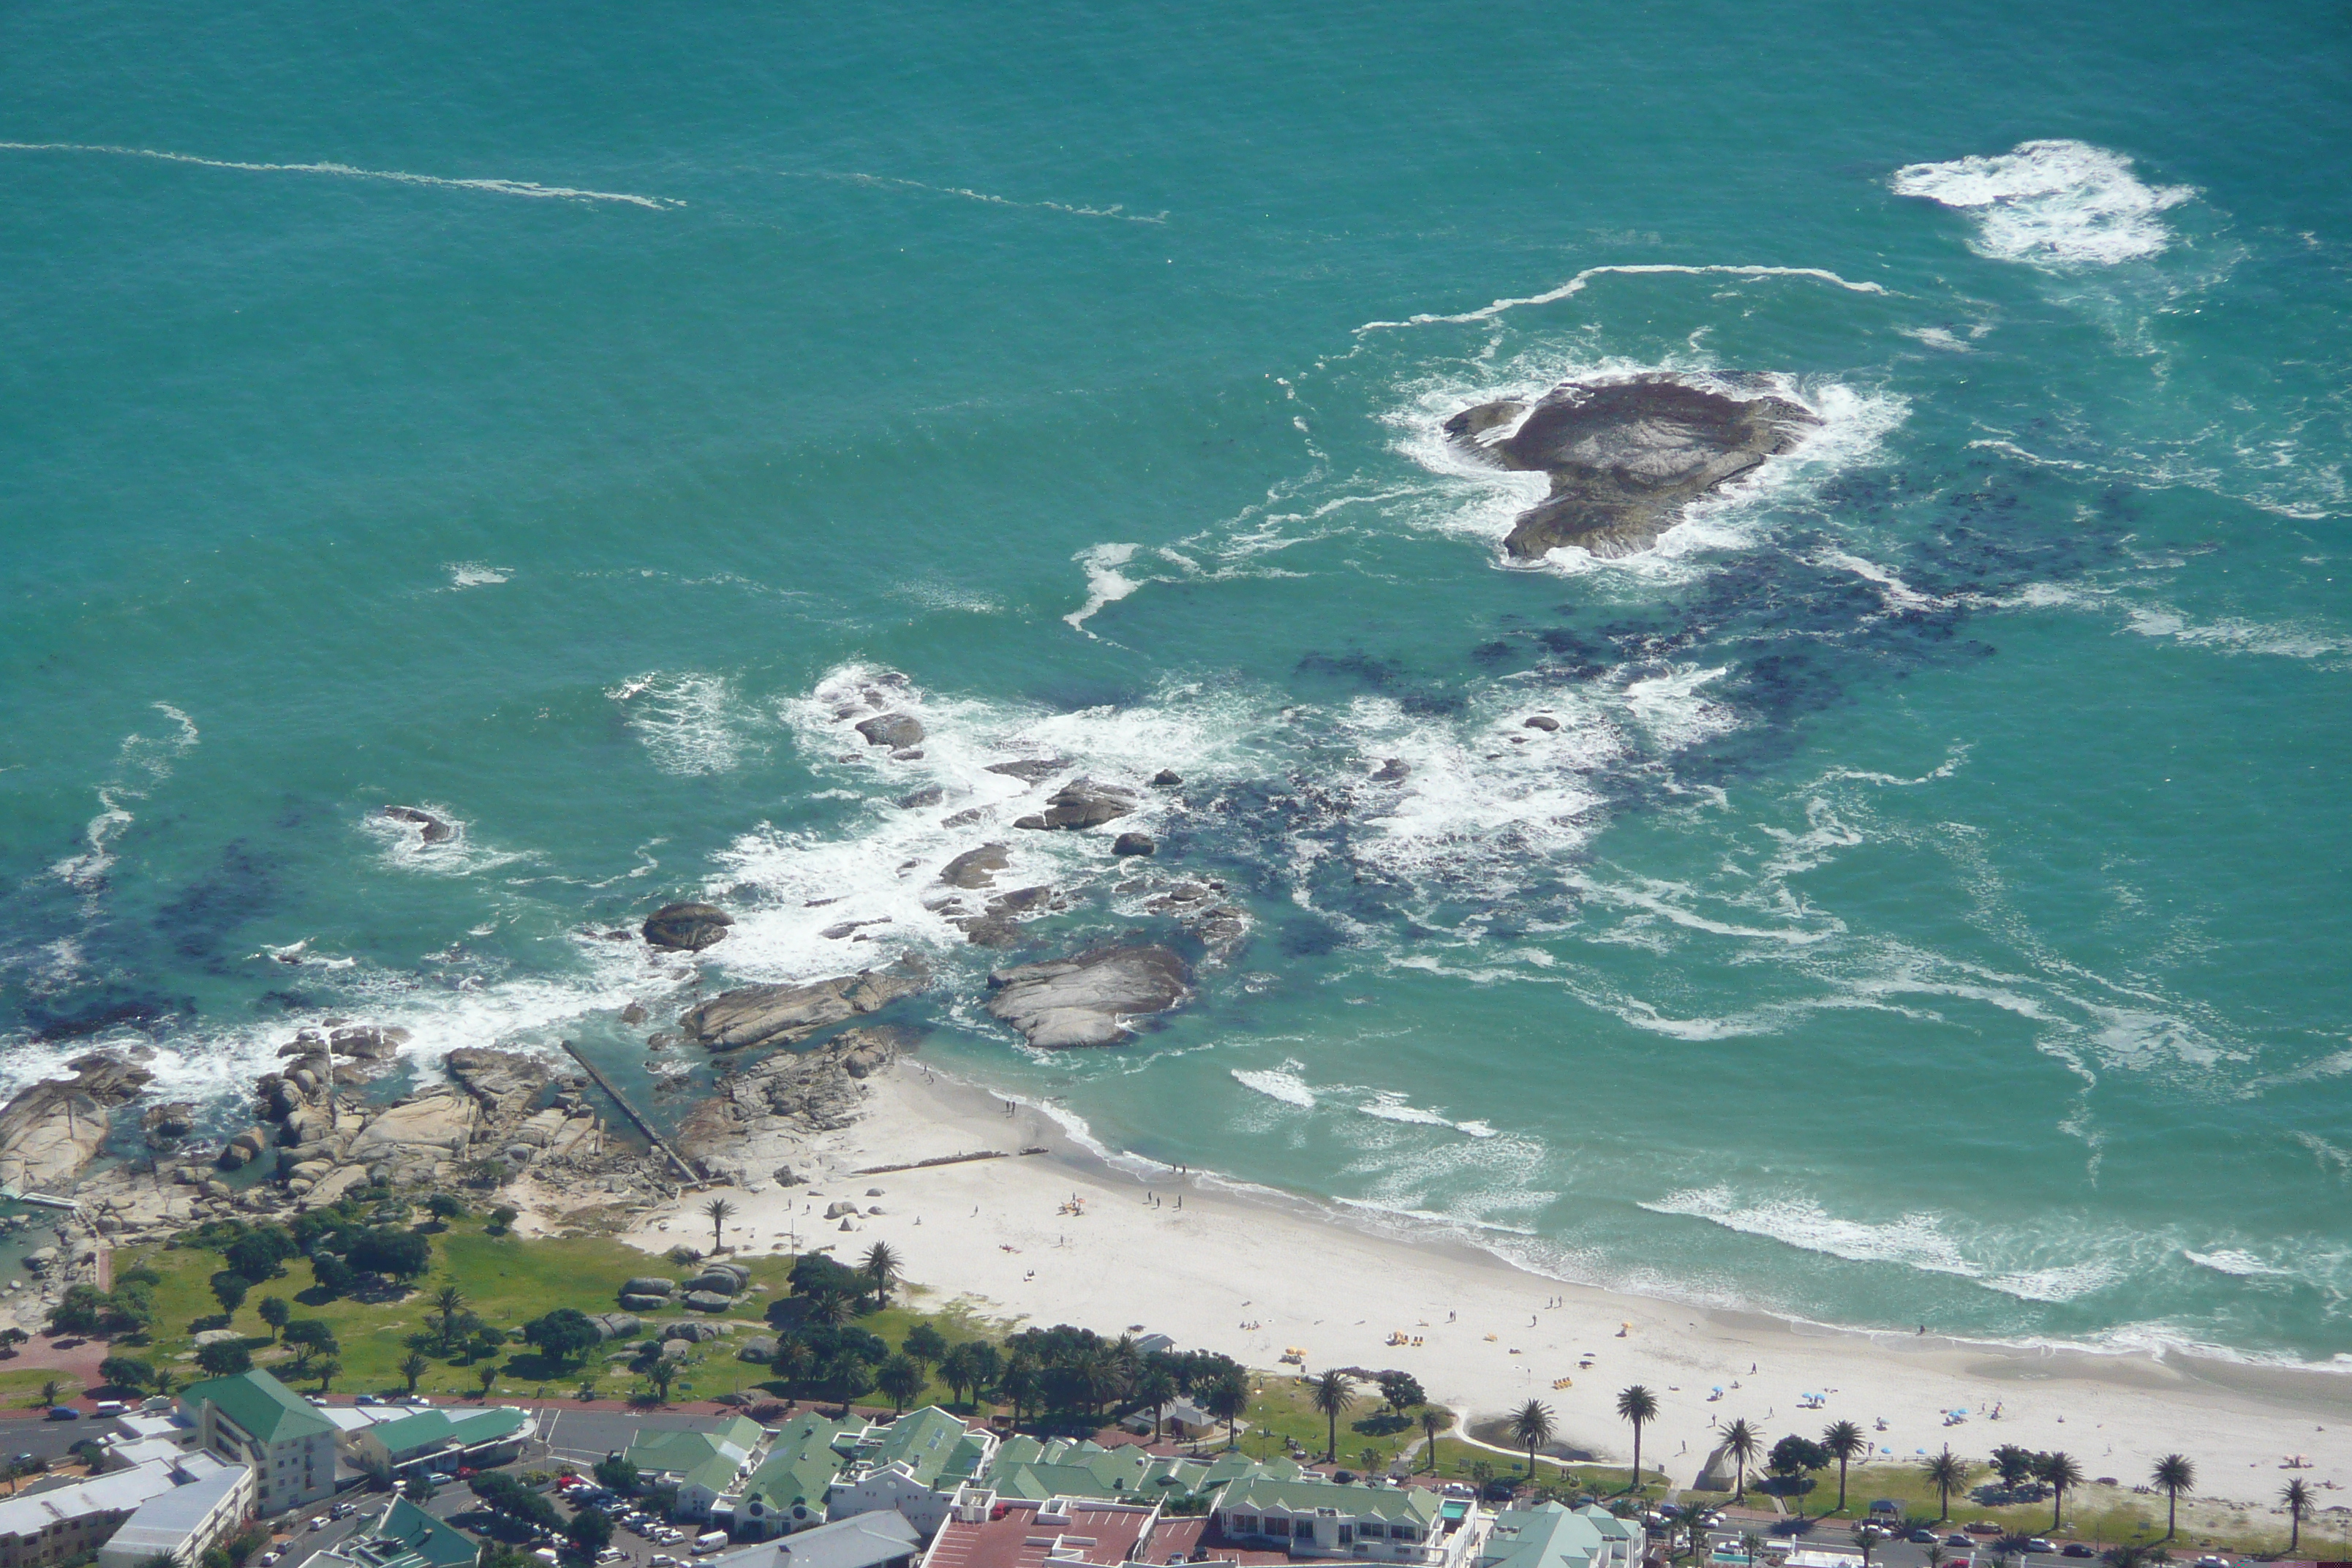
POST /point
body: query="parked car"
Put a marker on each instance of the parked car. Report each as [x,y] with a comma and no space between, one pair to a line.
[109,1408]
[365,1399]
[1982,1527]
[546,1554]
[1921,1538]
[272,1555]
[663,1560]
[63,1413]
[611,1554]
[1960,1541]
[2038,1545]
[2075,1549]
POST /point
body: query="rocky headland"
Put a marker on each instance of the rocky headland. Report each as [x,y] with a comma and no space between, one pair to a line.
[1625,457]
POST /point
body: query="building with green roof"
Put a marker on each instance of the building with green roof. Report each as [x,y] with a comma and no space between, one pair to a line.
[1552,1535]
[702,1465]
[1311,1517]
[471,1436]
[788,1492]
[254,1419]
[913,1467]
[404,1536]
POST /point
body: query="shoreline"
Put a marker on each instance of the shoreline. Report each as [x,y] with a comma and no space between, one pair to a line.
[1251,1272]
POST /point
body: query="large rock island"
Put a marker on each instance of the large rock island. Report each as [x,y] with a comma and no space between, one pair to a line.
[1625,457]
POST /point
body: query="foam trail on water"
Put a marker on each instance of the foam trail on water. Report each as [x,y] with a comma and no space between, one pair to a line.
[2055,201]
[346,171]
[142,763]
[1105,584]
[1116,210]
[1577,284]
[1283,1086]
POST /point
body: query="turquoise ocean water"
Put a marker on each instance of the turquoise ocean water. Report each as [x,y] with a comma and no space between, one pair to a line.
[1931,909]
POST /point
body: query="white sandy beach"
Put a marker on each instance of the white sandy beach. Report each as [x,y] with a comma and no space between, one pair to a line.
[1251,1275]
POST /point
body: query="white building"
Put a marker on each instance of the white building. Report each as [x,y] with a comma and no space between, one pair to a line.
[186,1521]
[68,1521]
[253,1418]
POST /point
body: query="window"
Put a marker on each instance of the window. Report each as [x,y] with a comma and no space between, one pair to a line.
[1276,1526]
[1245,1524]
[1404,1532]
[1372,1529]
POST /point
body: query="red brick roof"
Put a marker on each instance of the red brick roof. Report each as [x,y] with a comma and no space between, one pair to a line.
[1100,1533]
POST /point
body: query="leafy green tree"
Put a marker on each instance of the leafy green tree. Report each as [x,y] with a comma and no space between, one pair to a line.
[617,1474]
[395,1253]
[1947,1473]
[502,1219]
[925,1345]
[1792,1460]
[224,1358]
[1531,1424]
[2013,1465]
[126,1372]
[315,1332]
[1332,1395]
[1640,1406]
[589,1532]
[444,1207]
[1401,1391]
[277,1313]
[228,1289]
[332,1275]
[901,1379]
[329,1370]
[2174,1474]
[566,1334]
[422,1490]
[1846,1443]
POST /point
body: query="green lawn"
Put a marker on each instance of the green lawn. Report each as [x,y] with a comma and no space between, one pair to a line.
[508,1281]
[20,1387]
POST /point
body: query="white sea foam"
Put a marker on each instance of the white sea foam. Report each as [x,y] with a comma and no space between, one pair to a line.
[345,171]
[689,723]
[1899,595]
[477,574]
[1105,584]
[1277,1084]
[2051,202]
[2237,1264]
[141,761]
[1577,284]
[1916,1240]
[2062,1282]
[1116,210]
[2234,634]
[404,847]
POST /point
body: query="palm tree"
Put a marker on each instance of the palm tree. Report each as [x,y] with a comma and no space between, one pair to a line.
[450,1303]
[2134,1554]
[2058,1471]
[1156,1388]
[1636,1404]
[829,1306]
[49,1392]
[1947,1473]
[659,1374]
[721,1211]
[1019,1385]
[2011,1547]
[1334,1395]
[1934,1556]
[1743,1443]
[485,1377]
[413,1368]
[1845,1441]
[2297,1498]
[1429,1431]
[2176,1474]
[882,1270]
[1531,1424]
[1225,1399]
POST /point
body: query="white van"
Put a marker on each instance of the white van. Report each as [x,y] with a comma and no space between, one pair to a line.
[709,1541]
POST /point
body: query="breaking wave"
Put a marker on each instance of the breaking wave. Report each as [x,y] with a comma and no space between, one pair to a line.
[2053,202]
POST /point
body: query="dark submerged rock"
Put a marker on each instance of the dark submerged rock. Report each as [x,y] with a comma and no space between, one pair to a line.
[687,928]
[433,829]
[1082,802]
[1134,844]
[1624,457]
[895,730]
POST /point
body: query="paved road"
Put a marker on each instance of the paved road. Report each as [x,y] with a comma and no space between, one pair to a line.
[1900,1553]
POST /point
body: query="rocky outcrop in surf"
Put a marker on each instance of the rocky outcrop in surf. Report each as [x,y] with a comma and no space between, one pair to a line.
[1083,803]
[429,828]
[786,1015]
[1086,999]
[1625,457]
[752,1119]
[687,928]
[52,1130]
